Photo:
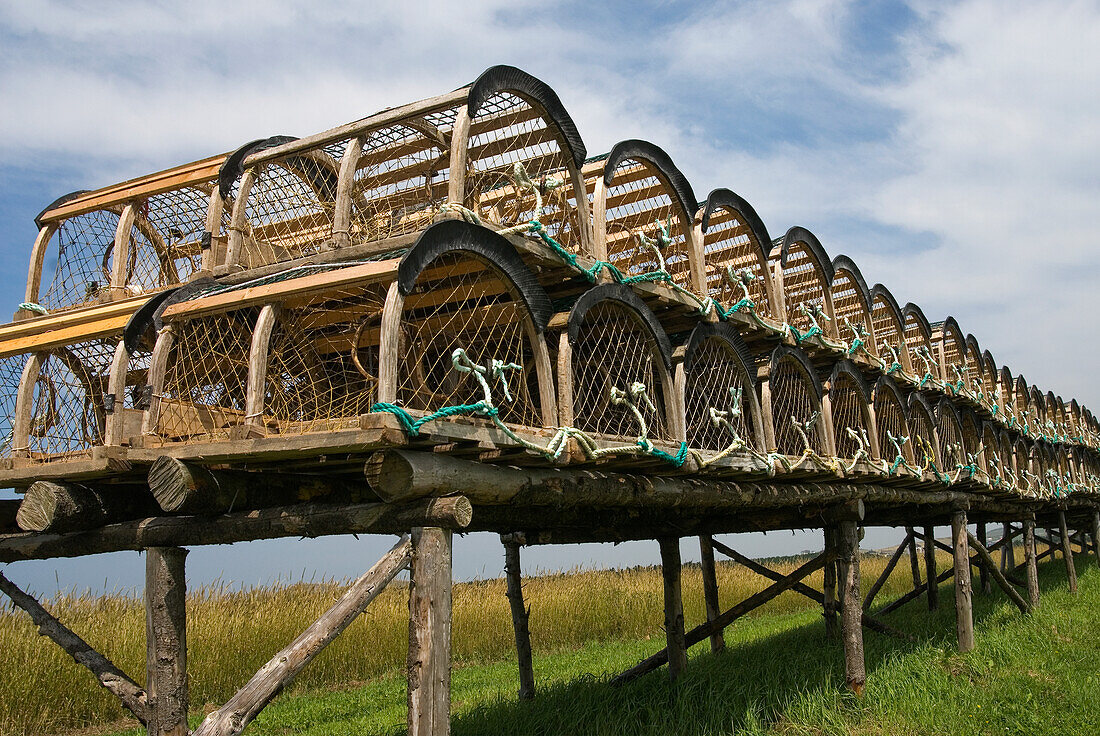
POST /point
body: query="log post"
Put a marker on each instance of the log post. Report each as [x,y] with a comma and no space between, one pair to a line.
[1067,552]
[1031,563]
[930,568]
[964,611]
[828,589]
[914,561]
[983,569]
[851,614]
[710,589]
[166,641]
[520,616]
[52,506]
[429,660]
[1008,550]
[674,607]
[1096,535]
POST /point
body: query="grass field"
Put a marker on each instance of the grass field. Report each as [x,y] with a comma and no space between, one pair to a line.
[1032,675]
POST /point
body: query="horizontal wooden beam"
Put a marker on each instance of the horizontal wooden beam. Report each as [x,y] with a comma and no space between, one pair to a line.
[304,520]
[67,328]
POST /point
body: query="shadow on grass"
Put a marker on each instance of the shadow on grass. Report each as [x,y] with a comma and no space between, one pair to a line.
[742,689]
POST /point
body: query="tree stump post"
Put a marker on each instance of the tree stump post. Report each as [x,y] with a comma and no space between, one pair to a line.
[429,660]
[1096,535]
[964,607]
[1031,563]
[520,616]
[830,604]
[1067,552]
[710,589]
[166,641]
[674,607]
[983,570]
[855,673]
[914,560]
[930,568]
[1008,550]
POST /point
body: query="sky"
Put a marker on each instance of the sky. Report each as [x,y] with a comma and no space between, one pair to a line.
[951,149]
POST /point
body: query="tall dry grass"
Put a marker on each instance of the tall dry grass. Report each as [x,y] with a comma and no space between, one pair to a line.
[231,633]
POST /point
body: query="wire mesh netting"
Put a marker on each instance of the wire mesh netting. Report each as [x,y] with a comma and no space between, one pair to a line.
[461,301]
[849,408]
[322,366]
[206,380]
[402,177]
[640,207]
[973,362]
[11,368]
[508,131]
[849,304]
[803,283]
[971,434]
[166,238]
[890,421]
[922,434]
[614,350]
[793,397]
[67,415]
[888,326]
[713,374]
[80,268]
[949,434]
[729,244]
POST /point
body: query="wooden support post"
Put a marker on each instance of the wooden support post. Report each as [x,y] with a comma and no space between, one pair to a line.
[710,589]
[1096,535]
[914,561]
[1067,552]
[830,603]
[855,674]
[964,611]
[520,616]
[983,570]
[930,568]
[429,660]
[997,575]
[1030,562]
[1008,550]
[166,641]
[674,607]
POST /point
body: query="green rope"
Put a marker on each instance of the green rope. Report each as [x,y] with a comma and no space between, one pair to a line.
[678,459]
[412,427]
[34,307]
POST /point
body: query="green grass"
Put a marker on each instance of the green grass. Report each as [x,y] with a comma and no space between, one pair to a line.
[1028,675]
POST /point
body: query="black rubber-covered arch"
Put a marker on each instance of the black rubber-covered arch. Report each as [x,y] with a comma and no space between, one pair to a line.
[844,263]
[952,323]
[878,290]
[57,203]
[625,296]
[783,352]
[181,294]
[233,166]
[727,333]
[732,201]
[637,150]
[888,384]
[799,234]
[450,236]
[510,79]
[916,397]
[973,348]
[918,313]
[850,369]
[140,325]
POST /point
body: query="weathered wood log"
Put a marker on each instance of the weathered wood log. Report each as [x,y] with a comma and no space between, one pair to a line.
[1008,550]
[304,520]
[8,509]
[930,568]
[189,488]
[997,575]
[964,607]
[281,669]
[894,559]
[521,615]
[405,474]
[1030,563]
[983,573]
[671,568]
[820,598]
[829,602]
[166,640]
[704,630]
[429,659]
[1096,535]
[710,588]
[914,562]
[68,507]
[130,694]
[851,628]
[1067,552]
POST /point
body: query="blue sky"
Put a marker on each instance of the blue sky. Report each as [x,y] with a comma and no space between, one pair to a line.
[951,149]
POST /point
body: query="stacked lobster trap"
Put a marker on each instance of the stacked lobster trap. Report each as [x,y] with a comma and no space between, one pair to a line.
[458,262]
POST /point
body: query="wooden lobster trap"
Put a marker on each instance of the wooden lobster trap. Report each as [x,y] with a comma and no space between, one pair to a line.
[735,247]
[852,309]
[802,273]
